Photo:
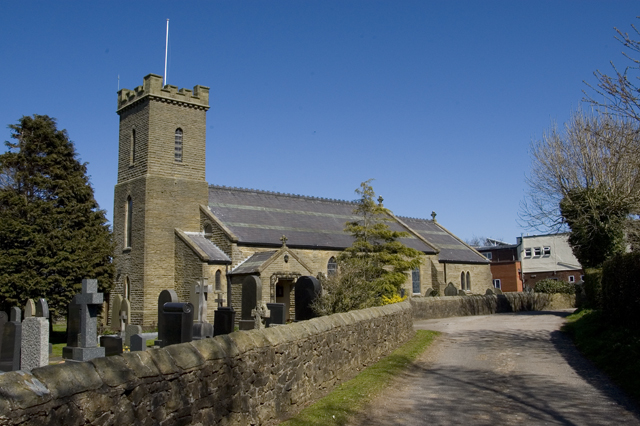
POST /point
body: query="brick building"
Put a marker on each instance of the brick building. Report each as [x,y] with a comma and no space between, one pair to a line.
[172,228]
[505,266]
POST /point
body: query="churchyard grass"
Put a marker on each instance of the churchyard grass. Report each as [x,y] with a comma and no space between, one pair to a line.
[614,350]
[350,397]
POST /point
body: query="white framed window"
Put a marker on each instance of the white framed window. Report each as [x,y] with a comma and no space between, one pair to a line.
[546,251]
[572,279]
[581,277]
[488,255]
[496,284]
[537,251]
[527,252]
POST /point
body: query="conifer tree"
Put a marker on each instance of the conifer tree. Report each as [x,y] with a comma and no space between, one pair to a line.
[52,232]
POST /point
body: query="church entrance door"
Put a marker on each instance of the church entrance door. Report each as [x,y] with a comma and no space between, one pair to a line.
[283,295]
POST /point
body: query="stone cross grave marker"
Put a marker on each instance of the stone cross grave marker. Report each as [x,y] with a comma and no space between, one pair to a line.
[124,315]
[251,296]
[11,341]
[82,324]
[202,328]
[259,313]
[306,290]
[450,290]
[220,300]
[166,296]
[35,335]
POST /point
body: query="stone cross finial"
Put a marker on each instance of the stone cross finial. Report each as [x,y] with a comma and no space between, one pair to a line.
[284,241]
[380,200]
[433,216]
[258,314]
[202,289]
[220,300]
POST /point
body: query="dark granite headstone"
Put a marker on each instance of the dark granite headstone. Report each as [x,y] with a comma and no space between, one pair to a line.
[138,343]
[112,345]
[166,296]
[11,341]
[450,290]
[251,296]
[224,320]
[42,308]
[277,314]
[177,323]
[82,324]
[307,289]
[4,318]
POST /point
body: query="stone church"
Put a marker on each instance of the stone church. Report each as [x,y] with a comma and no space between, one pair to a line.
[172,228]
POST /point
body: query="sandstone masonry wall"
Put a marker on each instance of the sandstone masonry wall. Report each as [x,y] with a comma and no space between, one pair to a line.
[247,377]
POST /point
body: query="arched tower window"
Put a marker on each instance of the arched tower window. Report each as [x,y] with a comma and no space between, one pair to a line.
[128,222]
[178,149]
[132,148]
[332,267]
[468,280]
[415,280]
[218,280]
[463,284]
[127,288]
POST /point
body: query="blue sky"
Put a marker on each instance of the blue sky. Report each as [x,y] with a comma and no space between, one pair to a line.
[437,101]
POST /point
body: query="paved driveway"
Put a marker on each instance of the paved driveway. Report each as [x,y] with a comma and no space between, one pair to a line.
[505,369]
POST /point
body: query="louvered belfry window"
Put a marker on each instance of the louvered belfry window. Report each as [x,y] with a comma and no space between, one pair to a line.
[178,151]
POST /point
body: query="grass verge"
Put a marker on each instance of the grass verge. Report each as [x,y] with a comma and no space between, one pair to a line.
[614,350]
[350,397]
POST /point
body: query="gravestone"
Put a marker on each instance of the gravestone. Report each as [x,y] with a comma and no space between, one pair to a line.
[115,313]
[306,290]
[497,290]
[489,292]
[251,296]
[137,343]
[30,309]
[82,324]
[177,322]
[260,314]
[450,290]
[462,293]
[35,336]
[166,296]
[224,320]
[112,345]
[4,318]
[11,341]
[129,331]
[202,328]
[277,314]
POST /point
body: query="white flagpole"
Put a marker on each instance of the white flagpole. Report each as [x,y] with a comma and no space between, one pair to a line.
[166,47]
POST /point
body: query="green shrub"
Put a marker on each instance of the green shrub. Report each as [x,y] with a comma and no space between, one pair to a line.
[550,286]
[621,289]
[593,288]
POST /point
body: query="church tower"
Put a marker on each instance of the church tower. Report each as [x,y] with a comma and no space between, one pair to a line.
[161,183]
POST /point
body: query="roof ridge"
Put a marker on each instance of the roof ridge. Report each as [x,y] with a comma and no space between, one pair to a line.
[413,218]
[283,194]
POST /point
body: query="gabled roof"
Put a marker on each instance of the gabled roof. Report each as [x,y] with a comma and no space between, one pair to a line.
[452,249]
[261,218]
[204,248]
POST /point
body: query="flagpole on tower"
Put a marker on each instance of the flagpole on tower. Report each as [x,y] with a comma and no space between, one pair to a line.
[166,47]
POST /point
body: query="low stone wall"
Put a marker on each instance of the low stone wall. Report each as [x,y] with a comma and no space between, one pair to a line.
[248,377]
[457,306]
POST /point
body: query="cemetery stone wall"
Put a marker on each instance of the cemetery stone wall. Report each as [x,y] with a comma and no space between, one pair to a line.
[247,377]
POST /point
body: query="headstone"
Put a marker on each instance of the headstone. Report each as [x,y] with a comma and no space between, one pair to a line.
[260,313]
[129,331]
[124,315]
[277,314]
[166,296]
[11,341]
[462,293]
[4,318]
[30,309]
[497,290]
[251,295]
[115,313]
[177,323]
[82,324]
[224,320]
[431,292]
[137,343]
[306,290]
[489,292]
[112,345]
[35,336]
[450,290]
[202,328]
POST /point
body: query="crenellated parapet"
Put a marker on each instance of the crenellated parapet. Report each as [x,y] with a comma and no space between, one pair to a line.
[152,87]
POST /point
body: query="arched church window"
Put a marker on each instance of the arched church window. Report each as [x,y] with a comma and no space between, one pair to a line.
[128,222]
[332,267]
[132,148]
[218,280]
[463,284]
[468,280]
[178,149]
[415,280]
[127,288]
[208,230]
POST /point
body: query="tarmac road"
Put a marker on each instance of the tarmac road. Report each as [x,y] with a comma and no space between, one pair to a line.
[504,369]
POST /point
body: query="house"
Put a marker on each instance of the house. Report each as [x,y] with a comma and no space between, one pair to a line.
[547,256]
[505,265]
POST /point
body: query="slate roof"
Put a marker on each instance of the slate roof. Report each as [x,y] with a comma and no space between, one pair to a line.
[253,263]
[210,249]
[452,250]
[262,217]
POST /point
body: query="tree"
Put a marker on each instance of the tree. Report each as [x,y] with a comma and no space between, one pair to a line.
[52,232]
[586,178]
[619,94]
[375,266]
